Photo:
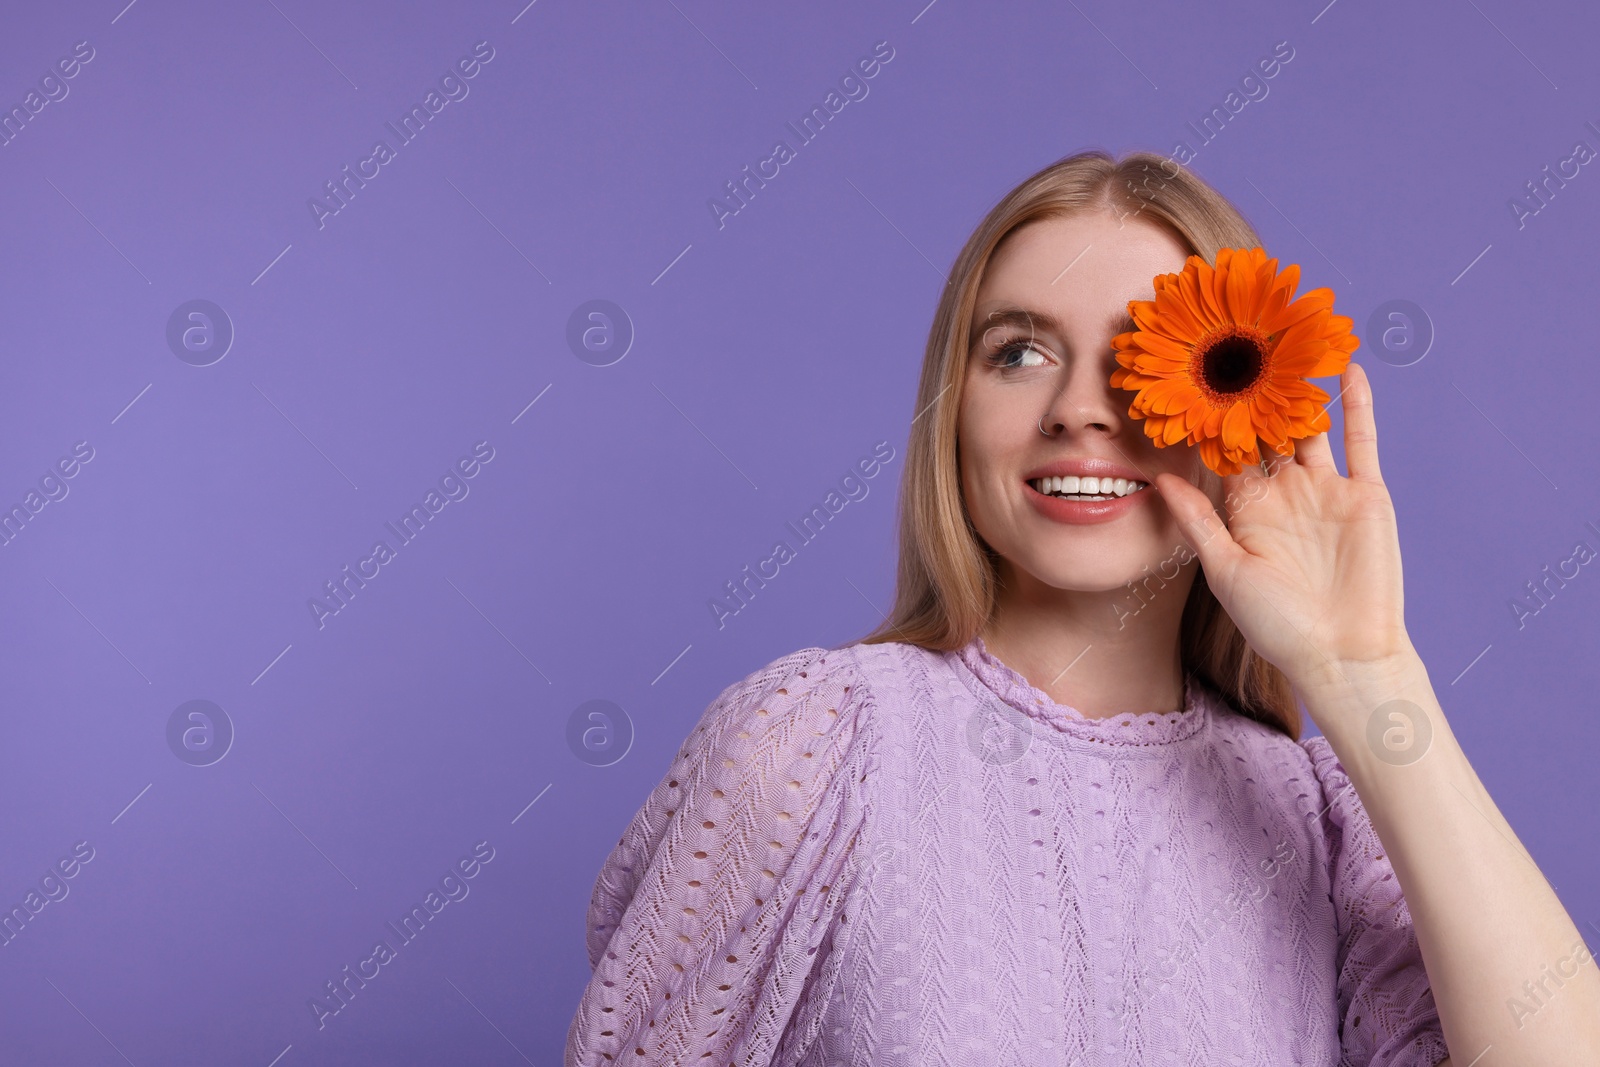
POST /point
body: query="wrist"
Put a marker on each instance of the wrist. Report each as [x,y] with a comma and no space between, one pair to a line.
[1343,696]
[1369,675]
[1363,679]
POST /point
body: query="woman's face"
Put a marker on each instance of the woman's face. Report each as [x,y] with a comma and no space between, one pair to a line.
[1073,277]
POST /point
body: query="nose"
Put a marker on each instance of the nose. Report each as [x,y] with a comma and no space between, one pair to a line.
[1085,401]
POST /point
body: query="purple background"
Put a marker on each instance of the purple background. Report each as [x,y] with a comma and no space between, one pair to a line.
[770,354]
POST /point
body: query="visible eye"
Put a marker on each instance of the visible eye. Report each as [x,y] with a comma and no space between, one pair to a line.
[1016,355]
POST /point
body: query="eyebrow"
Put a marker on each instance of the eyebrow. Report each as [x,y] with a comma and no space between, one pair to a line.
[1012,315]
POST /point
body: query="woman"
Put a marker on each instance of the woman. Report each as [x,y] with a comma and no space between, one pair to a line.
[983,835]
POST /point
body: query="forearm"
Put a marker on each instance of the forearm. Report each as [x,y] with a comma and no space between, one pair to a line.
[1493,933]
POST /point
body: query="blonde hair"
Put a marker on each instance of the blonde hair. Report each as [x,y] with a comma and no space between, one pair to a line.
[947,576]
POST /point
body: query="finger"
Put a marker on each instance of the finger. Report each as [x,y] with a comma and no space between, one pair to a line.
[1315,452]
[1273,463]
[1204,529]
[1360,428]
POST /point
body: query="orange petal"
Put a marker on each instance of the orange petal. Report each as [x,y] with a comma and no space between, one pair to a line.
[1158,344]
[1252,457]
[1176,317]
[1240,290]
[1170,396]
[1237,429]
[1198,288]
[1333,362]
[1288,280]
[1302,308]
[1272,306]
[1298,359]
[1144,313]
[1217,291]
[1274,427]
[1159,364]
[1312,327]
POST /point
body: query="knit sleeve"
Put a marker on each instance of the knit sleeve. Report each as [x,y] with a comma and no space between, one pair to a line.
[1386,1008]
[709,916]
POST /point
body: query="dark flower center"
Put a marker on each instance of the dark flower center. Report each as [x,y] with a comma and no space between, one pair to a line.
[1232,363]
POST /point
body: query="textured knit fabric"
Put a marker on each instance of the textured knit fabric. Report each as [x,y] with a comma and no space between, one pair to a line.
[881,855]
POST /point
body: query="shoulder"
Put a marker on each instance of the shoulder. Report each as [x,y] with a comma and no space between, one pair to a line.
[849,678]
[696,919]
[799,684]
[803,669]
[803,710]
[779,745]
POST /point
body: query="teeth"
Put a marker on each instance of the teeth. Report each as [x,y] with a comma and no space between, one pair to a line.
[1090,487]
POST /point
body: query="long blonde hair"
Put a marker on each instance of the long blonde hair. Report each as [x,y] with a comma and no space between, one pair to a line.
[947,576]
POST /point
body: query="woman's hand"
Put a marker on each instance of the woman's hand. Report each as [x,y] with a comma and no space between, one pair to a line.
[1308,566]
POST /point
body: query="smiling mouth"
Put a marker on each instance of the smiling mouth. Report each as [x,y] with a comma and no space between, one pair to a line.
[1071,487]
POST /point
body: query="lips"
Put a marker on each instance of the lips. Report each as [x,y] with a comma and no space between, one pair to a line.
[1086,466]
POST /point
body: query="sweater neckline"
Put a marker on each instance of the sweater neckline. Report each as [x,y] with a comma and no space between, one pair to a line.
[1124,728]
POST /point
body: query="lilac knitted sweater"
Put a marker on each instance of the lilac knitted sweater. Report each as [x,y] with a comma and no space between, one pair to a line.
[880,855]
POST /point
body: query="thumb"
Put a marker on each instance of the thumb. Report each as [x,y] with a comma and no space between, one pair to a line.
[1204,529]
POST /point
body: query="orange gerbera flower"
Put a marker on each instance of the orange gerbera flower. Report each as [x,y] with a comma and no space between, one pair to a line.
[1220,357]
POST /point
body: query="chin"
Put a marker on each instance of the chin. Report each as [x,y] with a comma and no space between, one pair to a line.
[1085,575]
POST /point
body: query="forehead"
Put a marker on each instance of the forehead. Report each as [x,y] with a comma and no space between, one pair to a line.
[1082,262]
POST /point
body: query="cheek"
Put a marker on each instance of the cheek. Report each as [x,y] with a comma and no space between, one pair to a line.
[982,492]
[1185,462]
[977,489]
[983,444]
